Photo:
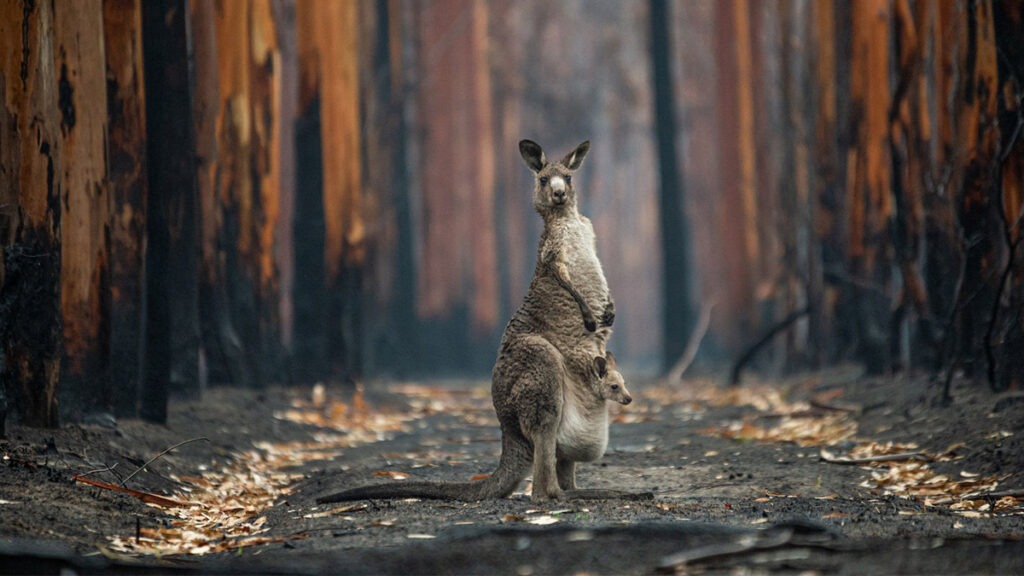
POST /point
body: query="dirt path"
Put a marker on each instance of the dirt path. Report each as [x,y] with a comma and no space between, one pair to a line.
[740,477]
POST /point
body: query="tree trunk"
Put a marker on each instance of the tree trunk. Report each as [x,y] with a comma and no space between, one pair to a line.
[677,312]
[30,214]
[126,166]
[827,198]
[329,201]
[737,212]
[85,203]
[975,109]
[1008,333]
[870,200]
[172,335]
[907,153]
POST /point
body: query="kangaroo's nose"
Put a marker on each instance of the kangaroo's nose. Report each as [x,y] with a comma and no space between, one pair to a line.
[627,399]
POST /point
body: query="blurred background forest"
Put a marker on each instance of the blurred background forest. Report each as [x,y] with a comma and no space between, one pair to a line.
[256,192]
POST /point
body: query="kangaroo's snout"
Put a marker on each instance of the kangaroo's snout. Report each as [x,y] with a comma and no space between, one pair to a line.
[627,399]
[558,190]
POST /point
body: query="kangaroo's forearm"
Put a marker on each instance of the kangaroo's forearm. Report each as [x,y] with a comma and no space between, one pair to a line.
[561,275]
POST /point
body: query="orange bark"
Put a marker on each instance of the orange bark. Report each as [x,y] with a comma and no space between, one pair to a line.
[82,98]
[870,199]
[458,165]
[206,116]
[30,181]
[266,114]
[335,35]
[126,161]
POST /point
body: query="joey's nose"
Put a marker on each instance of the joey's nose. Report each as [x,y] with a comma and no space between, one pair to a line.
[627,399]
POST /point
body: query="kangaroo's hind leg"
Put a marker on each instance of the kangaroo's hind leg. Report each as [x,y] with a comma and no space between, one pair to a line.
[535,398]
[566,474]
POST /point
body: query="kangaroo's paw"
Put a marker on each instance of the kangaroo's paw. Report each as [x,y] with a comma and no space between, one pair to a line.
[608,317]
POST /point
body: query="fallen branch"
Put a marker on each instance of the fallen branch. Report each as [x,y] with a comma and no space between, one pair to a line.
[768,539]
[900,457]
[849,409]
[146,497]
[154,458]
[748,355]
[693,344]
[1016,493]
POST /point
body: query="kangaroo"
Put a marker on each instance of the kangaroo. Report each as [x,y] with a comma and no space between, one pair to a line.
[612,384]
[544,387]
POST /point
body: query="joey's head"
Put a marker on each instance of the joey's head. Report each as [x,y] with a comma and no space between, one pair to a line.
[553,189]
[611,384]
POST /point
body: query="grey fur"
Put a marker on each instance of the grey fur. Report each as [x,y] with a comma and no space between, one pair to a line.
[549,394]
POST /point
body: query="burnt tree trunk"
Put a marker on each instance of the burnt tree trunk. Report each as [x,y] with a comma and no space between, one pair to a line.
[677,313]
[126,167]
[870,204]
[1007,330]
[172,335]
[330,245]
[85,204]
[30,188]
[975,109]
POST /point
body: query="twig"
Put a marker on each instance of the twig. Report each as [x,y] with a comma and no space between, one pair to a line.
[146,497]
[832,459]
[1017,493]
[98,470]
[748,355]
[836,408]
[154,458]
[693,344]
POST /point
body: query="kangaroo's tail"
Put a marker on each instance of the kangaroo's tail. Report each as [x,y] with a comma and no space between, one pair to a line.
[514,465]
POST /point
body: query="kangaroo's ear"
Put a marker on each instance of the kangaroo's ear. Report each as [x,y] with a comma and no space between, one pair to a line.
[611,359]
[532,154]
[574,159]
[600,366]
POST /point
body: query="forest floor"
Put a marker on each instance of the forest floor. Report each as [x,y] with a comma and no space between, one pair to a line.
[750,479]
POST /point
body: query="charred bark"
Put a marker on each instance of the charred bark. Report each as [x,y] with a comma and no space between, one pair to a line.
[677,303]
[172,335]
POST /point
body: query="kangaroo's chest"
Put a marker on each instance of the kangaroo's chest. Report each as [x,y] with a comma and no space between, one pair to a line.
[580,257]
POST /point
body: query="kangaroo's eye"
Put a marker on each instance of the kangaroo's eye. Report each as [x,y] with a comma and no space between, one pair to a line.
[615,387]
[568,179]
[543,180]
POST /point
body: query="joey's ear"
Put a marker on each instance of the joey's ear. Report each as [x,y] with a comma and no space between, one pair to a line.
[600,366]
[610,358]
[574,159]
[532,154]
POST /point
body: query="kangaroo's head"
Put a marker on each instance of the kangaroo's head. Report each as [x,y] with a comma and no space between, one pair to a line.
[611,384]
[552,187]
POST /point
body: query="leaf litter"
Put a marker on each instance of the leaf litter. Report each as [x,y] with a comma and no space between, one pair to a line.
[897,469]
[222,510]
[225,507]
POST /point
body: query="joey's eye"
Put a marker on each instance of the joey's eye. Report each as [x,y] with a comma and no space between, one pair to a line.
[615,386]
[568,179]
[543,180]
